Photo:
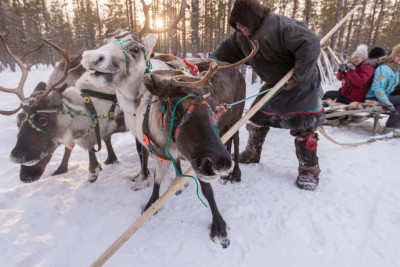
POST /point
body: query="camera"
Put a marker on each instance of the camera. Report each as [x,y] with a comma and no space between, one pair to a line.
[344,68]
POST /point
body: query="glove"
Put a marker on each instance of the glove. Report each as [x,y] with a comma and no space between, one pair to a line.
[346,67]
[289,85]
[351,66]
[343,68]
[388,106]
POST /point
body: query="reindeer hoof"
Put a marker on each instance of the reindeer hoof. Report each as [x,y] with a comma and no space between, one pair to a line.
[60,171]
[224,241]
[140,184]
[180,190]
[93,176]
[219,234]
[231,177]
[111,161]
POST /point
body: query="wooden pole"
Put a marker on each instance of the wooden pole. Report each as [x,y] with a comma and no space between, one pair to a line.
[335,57]
[125,236]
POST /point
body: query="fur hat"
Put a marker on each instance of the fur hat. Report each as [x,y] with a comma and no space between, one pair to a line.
[376,52]
[248,13]
[361,51]
[395,51]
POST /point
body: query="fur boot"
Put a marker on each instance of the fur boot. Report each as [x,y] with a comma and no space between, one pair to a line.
[252,152]
[306,152]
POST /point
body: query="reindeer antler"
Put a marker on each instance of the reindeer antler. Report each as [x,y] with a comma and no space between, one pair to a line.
[254,50]
[67,69]
[19,90]
[146,27]
[205,81]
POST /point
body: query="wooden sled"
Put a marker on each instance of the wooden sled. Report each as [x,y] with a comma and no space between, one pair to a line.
[338,114]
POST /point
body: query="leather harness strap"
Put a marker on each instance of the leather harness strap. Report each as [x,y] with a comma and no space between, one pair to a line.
[146,136]
[86,94]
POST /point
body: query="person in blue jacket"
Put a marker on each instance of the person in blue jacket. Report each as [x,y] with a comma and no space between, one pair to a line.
[386,78]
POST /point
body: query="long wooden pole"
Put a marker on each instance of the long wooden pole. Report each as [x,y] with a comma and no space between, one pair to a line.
[335,57]
[125,236]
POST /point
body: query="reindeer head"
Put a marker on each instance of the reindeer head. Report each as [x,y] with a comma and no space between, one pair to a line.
[123,57]
[187,120]
[37,123]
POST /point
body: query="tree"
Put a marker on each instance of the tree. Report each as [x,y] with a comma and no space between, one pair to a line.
[195,28]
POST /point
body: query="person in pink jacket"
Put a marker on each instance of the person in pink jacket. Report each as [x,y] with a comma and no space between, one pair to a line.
[356,78]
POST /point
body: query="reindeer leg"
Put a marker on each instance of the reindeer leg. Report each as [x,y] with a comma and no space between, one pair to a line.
[111,157]
[226,178]
[94,167]
[63,168]
[143,156]
[141,180]
[218,227]
[178,167]
[161,170]
[235,175]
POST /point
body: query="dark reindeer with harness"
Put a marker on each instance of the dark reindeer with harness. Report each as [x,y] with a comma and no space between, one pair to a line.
[177,117]
[52,116]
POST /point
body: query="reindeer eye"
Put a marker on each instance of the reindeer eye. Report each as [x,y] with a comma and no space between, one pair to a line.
[135,49]
[41,122]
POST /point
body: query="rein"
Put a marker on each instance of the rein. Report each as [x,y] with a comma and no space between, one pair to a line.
[152,149]
[169,142]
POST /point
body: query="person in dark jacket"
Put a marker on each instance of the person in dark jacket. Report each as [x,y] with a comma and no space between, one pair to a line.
[356,78]
[284,44]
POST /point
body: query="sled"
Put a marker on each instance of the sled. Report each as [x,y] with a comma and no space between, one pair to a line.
[338,114]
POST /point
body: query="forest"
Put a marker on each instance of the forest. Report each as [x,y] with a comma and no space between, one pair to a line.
[82,23]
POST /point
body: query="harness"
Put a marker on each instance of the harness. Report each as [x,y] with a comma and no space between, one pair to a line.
[73,112]
[146,136]
[86,94]
[123,44]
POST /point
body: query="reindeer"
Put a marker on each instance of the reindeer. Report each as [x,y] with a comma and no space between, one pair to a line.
[61,117]
[118,67]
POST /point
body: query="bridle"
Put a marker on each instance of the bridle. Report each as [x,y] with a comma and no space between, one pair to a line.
[123,43]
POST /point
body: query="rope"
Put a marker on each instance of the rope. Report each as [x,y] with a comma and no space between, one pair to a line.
[169,142]
[247,98]
[368,141]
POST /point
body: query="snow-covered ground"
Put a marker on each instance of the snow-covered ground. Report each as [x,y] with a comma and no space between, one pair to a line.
[352,219]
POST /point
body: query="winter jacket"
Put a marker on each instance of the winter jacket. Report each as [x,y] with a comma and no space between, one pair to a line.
[284,44]
[356,83]
[383,84]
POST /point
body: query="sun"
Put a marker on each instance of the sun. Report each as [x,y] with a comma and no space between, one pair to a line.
[159,24]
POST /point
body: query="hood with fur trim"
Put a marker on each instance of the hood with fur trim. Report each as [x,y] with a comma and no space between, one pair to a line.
[395,51]
[249,13]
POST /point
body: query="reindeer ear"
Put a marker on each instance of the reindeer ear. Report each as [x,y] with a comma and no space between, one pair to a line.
[149,42]
[40,87]
[156,84]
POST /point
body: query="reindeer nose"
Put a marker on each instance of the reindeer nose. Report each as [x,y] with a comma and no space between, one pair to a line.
[14,157]
[220,162]
[93,58]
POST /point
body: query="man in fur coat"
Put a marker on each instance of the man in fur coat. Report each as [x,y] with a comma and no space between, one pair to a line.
[284,44]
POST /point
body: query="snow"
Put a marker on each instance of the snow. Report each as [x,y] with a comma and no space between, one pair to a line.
[352,219]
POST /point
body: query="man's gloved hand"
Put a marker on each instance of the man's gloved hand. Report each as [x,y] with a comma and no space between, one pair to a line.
[289,85]
[388,106]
